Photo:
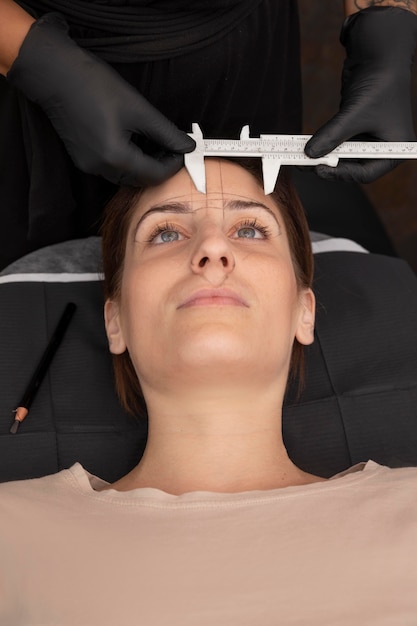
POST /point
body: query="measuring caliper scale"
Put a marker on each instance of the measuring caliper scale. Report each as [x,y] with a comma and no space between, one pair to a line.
[277,150]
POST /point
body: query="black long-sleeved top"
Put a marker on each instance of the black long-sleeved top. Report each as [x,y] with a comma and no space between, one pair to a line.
[221,63]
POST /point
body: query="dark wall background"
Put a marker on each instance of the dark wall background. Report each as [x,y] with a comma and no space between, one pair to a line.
[394,196]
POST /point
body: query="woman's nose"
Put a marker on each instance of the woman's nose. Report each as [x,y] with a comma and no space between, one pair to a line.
[213,256]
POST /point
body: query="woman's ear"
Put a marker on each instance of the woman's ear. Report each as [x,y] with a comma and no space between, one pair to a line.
[114,331]
[305,329]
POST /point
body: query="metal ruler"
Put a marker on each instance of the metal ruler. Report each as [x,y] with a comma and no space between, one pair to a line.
[277,150]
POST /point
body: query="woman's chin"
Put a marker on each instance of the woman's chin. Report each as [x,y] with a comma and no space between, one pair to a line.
[215,352]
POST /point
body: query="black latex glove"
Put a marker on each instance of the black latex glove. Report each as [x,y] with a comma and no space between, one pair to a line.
[94,110]
[375,98]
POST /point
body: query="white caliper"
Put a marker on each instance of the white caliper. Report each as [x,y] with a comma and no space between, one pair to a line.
[277,150]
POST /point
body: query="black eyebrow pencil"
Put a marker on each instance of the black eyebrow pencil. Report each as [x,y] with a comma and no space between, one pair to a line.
[35,382]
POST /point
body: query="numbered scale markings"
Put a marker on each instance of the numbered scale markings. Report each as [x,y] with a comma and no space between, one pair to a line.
[277,150]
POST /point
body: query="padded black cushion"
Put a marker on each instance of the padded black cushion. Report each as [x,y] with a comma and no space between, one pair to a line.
[359,400]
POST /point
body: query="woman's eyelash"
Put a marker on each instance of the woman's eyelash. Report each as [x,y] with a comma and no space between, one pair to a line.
[161,228]
[253,223]
[247,223]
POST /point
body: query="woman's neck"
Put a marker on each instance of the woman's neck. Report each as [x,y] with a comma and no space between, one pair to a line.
[201,447]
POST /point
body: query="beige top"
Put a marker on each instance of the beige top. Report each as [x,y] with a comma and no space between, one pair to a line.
[339,552]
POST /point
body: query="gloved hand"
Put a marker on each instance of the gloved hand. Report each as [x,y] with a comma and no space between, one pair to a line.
[94,110]
[375,99]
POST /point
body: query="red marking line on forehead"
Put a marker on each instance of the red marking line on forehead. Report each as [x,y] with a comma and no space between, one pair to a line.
[176,207]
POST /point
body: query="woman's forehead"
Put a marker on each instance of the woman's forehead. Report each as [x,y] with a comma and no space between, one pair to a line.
[224,180]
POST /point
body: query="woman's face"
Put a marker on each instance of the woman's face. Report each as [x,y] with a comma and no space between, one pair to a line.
[208,286]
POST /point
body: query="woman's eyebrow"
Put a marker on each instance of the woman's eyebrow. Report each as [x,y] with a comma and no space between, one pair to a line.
[168,207]
[238,205]
[186,207]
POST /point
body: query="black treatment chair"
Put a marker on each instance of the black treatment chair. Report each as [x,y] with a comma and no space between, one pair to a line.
[359,400]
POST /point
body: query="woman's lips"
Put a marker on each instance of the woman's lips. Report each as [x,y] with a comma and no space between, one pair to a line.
[213,297]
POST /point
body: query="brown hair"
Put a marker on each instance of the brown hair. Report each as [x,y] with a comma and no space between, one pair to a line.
[115,227]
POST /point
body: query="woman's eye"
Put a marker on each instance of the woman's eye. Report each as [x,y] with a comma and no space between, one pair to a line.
[166,234]
[251,231]
[248,232]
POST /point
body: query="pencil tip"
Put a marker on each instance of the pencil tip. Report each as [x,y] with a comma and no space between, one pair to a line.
[14,427]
